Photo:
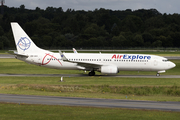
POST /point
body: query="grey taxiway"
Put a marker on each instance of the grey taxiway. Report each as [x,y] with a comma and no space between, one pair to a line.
[107,103]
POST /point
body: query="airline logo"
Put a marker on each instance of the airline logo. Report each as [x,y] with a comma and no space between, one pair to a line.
[45,62]
[131,57]
[24,43]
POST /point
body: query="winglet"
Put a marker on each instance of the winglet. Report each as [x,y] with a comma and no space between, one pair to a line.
[75,51]
[62,56]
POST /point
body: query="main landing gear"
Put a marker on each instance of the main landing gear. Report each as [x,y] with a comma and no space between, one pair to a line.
[91,73]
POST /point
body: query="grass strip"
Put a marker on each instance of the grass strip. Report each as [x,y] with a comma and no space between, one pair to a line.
[155,89]
[111,81]
[35,112]
[125,90]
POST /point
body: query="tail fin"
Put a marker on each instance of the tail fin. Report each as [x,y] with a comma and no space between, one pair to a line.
[23,42]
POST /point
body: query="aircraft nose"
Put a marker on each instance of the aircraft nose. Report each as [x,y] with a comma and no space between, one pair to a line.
[172,65]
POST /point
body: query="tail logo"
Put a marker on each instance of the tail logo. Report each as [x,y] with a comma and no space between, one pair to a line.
[24,43]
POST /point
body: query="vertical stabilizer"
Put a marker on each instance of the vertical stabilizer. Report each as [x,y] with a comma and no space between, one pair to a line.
[23,42]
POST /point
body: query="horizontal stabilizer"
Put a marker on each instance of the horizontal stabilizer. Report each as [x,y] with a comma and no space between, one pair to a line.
[21,55]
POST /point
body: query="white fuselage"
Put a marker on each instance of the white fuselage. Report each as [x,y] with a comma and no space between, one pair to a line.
[124,62]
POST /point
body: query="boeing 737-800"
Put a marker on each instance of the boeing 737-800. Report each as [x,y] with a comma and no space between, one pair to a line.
[105,63]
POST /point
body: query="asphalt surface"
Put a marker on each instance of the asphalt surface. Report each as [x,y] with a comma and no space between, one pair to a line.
[6,56]
[106,103]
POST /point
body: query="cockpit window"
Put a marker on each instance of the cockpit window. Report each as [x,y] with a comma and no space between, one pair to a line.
[165,60]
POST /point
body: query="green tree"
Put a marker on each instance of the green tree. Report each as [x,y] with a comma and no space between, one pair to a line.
[157,43]
[132,23]
[138,28]
[5,42]
[31,27]
[147,37]
[94,31]
[56,42]
[169,42]
[102,42]
[92,42]
[1,45]
[47,41]
[115,30]
[119,41]
[176,38]
[1,31]
[138,41]
[22,7]
[66,43]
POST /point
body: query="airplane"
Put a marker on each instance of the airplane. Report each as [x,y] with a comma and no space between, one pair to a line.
[105,63]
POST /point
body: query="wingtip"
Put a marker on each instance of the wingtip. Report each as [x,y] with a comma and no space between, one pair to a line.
[63,56]
[13,23]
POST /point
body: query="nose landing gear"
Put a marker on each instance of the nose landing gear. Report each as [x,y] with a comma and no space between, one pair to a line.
[91,73]
[157,74]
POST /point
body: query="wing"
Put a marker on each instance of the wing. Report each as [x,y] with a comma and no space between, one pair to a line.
[81,64]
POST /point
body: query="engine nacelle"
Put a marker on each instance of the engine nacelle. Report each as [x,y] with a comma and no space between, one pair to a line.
[109,69]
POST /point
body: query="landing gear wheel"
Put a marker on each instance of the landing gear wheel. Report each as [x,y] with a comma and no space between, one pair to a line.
[92,73]
[157,74]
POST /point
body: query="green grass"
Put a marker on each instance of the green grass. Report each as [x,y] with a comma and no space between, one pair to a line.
[154,89]
[46,112]
[112,81]
[4,51]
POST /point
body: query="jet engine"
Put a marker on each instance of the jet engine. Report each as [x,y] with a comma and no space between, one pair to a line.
[109,69]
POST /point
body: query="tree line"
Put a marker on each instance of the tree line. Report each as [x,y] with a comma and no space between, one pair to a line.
[100,28]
